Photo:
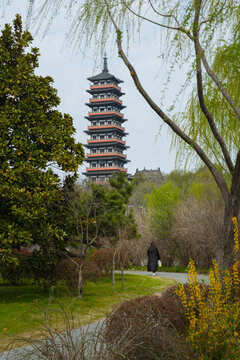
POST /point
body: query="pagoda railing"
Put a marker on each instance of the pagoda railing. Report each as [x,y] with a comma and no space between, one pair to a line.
[106,154]
[105,113]
[95,127]
[105,140]
[92,87]
[105,99]
[105,168]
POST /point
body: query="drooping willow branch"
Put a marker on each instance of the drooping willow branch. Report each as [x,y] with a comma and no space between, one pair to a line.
[215,172]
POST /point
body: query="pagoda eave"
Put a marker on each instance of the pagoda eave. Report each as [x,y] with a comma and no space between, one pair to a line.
[107,117]
[99,90]
[123,133]
[110,158]
[121,146]
[104,76]
[107,103]
[105,170]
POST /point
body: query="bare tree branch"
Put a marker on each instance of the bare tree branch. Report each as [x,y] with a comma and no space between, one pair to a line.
[202,103]
[215,172]
[164,15]
[157,23]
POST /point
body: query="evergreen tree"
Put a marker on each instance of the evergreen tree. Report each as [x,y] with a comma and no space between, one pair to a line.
[34,136]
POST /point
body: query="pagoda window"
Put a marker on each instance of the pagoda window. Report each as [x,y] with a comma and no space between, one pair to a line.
[102,96]
[94,179]
[95,82]
[95,109]
[109,122]
[94,151]
[94,165]
[110,164]
[94,136]
[101,136]
[102,109]
[102,151]
[110,150]
[109,94]
[102,82]
[109,136]
[95,96]
[109,108]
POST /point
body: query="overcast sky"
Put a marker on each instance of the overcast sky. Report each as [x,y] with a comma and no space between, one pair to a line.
[149,146]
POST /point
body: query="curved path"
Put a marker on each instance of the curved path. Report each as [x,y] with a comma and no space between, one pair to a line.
[179,277]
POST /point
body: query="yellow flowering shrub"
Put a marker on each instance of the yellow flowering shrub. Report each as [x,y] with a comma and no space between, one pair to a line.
[214,320]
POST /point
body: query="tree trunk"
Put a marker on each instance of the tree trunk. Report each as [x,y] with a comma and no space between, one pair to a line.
[80,280]
[113,270]
[225,253]
[123,286]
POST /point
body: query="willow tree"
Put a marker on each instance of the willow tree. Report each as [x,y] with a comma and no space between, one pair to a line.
[198,25]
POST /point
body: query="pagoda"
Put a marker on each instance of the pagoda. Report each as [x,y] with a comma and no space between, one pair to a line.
[105,143]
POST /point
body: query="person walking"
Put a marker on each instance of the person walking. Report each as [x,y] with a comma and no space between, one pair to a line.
[153,258]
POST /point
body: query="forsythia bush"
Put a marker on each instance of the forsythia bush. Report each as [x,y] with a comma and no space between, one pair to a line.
[214,320]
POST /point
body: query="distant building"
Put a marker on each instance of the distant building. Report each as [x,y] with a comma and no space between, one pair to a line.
[105,144]
[154,176]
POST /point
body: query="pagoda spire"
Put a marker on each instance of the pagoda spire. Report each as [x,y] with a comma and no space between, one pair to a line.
[105,67]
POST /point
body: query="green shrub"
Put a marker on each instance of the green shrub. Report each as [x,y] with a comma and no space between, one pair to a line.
[41,266]
[15,270]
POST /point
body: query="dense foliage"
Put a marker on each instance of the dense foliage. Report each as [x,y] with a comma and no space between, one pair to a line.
[34,136]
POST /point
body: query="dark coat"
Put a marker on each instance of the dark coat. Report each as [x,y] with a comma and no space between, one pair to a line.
[153,257]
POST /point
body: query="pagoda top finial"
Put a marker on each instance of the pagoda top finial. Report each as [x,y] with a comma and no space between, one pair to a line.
[105,67]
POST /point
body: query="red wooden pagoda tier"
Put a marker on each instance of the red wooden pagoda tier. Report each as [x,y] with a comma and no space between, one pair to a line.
[105,143]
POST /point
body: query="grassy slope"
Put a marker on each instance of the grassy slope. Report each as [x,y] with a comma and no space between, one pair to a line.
[21,307]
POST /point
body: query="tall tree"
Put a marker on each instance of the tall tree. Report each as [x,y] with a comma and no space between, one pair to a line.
[97,212]
[119,221]
[162,203]
[198,25]
[34,138]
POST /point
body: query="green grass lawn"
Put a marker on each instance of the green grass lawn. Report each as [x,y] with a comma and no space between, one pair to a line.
[21,306]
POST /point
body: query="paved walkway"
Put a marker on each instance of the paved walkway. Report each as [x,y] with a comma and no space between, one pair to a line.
[179,277]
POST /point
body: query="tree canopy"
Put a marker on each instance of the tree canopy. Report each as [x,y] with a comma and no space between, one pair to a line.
[98,211]
[162,203]
[35,137]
